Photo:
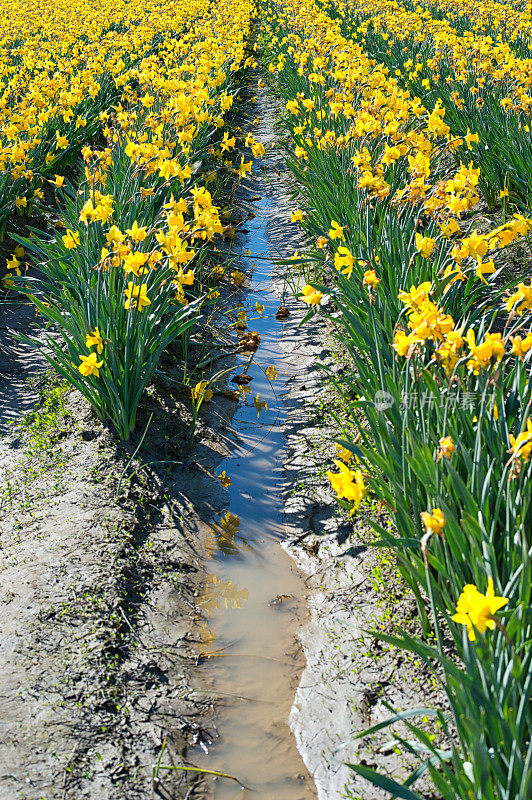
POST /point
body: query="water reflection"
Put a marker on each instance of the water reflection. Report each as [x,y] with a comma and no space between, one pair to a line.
[216,590]
[222,538]
[253,596]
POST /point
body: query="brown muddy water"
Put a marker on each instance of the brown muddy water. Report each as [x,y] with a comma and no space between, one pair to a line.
[254,597]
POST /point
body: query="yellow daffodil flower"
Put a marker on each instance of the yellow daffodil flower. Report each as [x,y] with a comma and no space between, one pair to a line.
[71,239]
[311,296]
[136,233]
[522,444]
[136,296]
[348,484]
[476,610]
[201,391]
[90,365]
[425,245]
[447,447]
[370,278]
[434,523]
[94,340]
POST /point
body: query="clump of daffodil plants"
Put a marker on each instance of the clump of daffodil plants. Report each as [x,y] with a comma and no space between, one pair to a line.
[126,272]
[439,344]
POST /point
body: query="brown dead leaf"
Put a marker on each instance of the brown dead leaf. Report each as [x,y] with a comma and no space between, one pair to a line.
[242,380]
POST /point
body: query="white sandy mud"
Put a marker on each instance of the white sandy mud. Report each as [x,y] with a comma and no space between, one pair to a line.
[103,559]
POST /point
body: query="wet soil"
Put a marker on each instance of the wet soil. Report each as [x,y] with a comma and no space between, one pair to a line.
[113,573]
[107,569]
[100,568]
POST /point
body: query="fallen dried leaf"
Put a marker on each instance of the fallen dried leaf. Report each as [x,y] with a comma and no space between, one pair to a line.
[242,380]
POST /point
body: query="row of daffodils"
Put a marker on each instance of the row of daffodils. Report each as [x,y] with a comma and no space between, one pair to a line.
[125,125]
[421,290]
[500,20]
[480,85]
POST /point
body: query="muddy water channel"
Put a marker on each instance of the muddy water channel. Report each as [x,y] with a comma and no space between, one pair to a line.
[254,598]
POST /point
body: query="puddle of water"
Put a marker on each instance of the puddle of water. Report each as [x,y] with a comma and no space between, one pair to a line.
[254,597]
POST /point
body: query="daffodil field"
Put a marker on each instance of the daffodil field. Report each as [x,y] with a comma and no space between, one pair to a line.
[407,124]
[408,132]
[141,101]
